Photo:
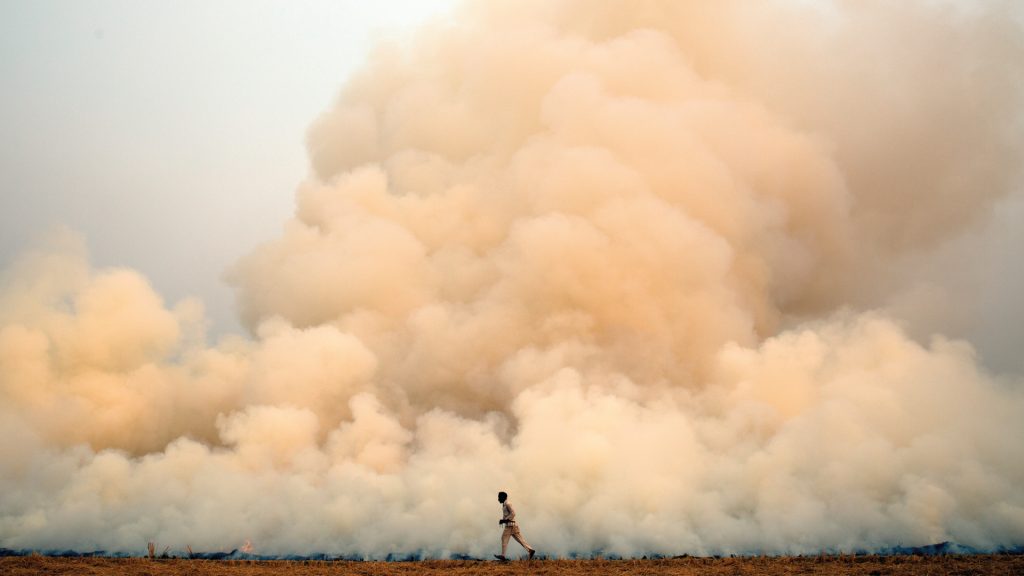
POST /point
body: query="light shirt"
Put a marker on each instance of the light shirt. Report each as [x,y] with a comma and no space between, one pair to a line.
[508,513]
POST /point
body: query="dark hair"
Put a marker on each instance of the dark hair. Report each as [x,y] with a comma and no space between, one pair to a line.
[501,494]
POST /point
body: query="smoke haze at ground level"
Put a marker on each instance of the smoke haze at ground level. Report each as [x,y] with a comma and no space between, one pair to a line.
[831,565]
[617,266]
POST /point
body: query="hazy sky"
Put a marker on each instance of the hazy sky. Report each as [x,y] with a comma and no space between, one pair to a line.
[171,134]
[670,273]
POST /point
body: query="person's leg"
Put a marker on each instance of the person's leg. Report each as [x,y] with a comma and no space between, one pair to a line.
[505,535]
[519,538]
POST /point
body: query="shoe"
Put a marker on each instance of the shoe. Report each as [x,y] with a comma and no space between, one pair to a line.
[500,557]
[530,557]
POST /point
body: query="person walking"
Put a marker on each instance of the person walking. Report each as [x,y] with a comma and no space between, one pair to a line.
[508,519]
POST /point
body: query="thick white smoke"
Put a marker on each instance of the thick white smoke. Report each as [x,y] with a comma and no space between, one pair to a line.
[617,259]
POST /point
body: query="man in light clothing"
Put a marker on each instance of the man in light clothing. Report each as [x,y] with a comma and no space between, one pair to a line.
[508,519]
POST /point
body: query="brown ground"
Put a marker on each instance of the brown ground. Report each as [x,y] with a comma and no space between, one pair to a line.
[867,565]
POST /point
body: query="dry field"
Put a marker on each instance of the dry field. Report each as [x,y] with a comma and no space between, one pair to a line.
[866,565]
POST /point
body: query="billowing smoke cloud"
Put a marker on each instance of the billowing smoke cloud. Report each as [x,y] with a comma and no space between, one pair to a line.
[618,259]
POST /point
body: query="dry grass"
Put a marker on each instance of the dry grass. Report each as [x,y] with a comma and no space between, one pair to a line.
[866,565]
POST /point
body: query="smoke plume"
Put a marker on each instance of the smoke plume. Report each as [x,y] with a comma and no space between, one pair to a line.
[624,260]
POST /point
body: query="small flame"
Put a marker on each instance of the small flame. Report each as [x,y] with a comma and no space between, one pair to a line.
[247,547]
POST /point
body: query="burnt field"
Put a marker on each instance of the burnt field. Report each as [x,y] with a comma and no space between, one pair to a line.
[757,566]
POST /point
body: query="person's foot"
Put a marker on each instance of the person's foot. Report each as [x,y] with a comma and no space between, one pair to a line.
[532,552]
[500,557]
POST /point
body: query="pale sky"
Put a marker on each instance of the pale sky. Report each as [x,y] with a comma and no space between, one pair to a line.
[171,134]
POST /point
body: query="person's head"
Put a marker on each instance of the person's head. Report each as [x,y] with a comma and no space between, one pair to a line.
[502,497]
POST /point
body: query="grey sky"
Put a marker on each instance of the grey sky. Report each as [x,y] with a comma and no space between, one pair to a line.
[170,134]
